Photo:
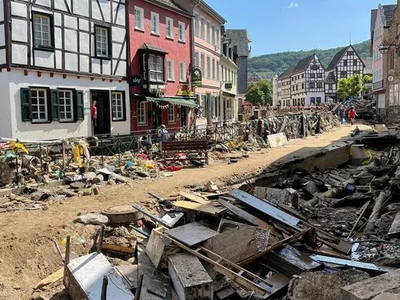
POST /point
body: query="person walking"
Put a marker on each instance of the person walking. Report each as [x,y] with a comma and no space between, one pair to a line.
[341,114]
[163,135]
[352,115]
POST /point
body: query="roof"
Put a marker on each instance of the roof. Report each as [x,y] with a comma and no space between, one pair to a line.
[151,47]
[387,13]
[208,9]
[287,73]
[335,60]
[303,64]
[239,38]
[374,13]
[170,4]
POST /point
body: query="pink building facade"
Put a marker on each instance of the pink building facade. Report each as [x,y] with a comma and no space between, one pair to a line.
[160,64]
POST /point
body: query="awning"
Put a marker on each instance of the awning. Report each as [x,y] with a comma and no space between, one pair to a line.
[188,102]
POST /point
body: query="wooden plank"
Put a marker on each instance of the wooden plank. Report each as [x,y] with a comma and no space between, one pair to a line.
[211,208]
[277,245]
[248,217]
[363,209]
[240,243]
[130,274]
[57,275]
[118,248]
[265,208]
[192,233]
[395,227]
[194,198]
[241,280]
[155,218]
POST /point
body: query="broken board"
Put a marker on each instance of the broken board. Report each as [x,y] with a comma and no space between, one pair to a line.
[158,249]
[194,198]
[271,194]
[239,243]
[192,233]
[211,208]
[277,139]
[395,227]
[130,274]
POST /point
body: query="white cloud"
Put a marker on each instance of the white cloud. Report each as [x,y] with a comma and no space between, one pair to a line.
[293,4]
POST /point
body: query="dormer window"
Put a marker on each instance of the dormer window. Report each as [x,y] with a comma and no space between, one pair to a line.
[153,65]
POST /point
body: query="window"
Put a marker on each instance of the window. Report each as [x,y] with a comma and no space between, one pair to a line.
[170,28]
[182,32]
[312,85]
[182,72]
[102,41]
[66,106]
[142,113]
[208,67]
[171,114]
[217,38]
[208,32]
[343,74]
[355,61]
[42,30]
[319,85]
[155,23]
[202,64]
[139,18]
[213,69]
[312,75]
[117,106]
[345,63]
[39,105]
[202,34]
[218,71]
[312,100]
[350,53]
[196,25]
[156,68]
[319,75]
[318,99]
[170,70]
[302,86]
[196,59]
[330,86]
[213,34]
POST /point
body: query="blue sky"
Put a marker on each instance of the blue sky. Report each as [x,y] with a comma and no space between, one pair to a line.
[291,25]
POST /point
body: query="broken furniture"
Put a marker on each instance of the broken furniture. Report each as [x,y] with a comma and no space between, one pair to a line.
[171,150]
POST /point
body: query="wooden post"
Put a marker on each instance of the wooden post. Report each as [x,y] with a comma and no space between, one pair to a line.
[104,288]
[67,253]
[101,235]
[139,288]
[63,156]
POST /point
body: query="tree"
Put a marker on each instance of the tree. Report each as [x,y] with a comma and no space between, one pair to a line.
[255,95]
[266,88]
[350,87]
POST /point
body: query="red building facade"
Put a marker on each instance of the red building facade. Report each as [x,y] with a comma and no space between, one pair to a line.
[160,51]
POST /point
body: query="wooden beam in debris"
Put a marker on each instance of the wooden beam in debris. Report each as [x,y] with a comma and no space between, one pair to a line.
[209,208]
[194,198]
[363,209]
[153,217]
[265,208]
[248,217]
[395,227]
[223,269]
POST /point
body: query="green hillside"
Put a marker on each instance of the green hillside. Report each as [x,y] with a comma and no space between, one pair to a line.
[270,64]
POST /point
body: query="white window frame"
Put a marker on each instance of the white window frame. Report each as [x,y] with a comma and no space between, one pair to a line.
[208,26]
[63,106]
[196,59]
[182,72]
[35,102]
[169,24]
[139,24]
[218,66]
[117,107]
[40,22]
[213,35]
[208,67]
[171,114]
[203,64]
[170,75]
[217,38]
[202,28]
[102,41]
[213,69]
[182,31]
[156,68]
[155,23]
[142,113]
[196,25]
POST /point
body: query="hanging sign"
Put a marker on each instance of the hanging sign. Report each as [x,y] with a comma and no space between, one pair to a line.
[197,77]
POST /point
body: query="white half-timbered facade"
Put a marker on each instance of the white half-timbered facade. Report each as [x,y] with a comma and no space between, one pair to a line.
[346,63]
[56,58]
[315,82]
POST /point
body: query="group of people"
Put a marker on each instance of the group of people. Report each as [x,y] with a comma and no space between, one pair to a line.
[351,114]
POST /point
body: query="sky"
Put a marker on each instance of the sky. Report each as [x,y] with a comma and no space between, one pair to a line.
[292,25]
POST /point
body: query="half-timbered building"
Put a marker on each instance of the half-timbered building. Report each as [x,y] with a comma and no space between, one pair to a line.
[57,58]
[315,82]
[344,64]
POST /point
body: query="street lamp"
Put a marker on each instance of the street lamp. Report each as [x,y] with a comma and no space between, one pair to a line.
[384,47]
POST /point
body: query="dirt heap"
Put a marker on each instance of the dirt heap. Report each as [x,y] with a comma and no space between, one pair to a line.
[323,285]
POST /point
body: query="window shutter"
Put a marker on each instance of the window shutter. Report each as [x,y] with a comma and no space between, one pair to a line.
[26,107]
[80,109]
[55,105]
[123,107]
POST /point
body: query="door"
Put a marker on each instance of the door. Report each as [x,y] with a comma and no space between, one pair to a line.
[157,117]
[103,124]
